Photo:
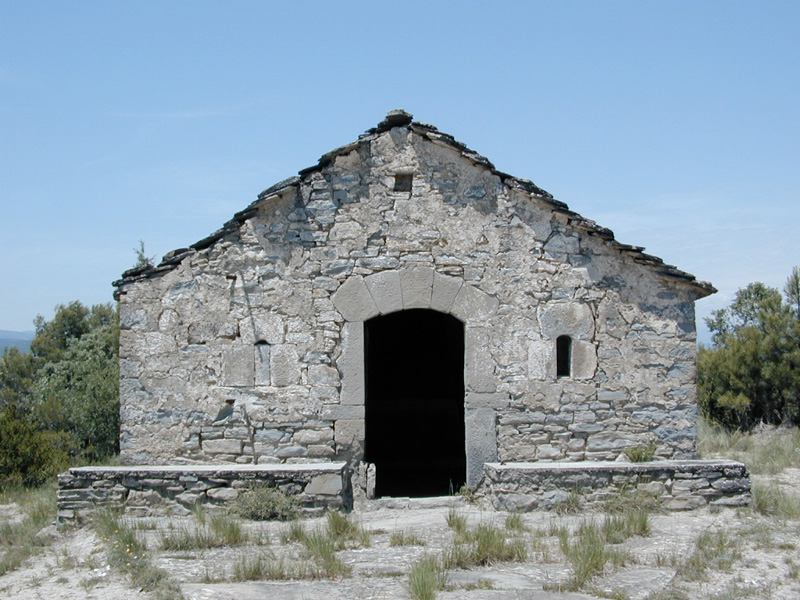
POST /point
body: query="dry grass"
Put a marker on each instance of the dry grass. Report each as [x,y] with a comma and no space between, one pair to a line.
[20,541]
[714,550]
[765,451]
[127,552]
[405,538]
[772,501]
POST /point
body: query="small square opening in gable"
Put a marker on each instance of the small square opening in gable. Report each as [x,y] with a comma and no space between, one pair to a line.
[402,182]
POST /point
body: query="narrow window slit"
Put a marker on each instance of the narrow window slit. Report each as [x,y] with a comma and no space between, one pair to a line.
[563,356]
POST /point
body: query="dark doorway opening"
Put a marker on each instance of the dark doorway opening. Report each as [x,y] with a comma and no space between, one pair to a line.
[415,403]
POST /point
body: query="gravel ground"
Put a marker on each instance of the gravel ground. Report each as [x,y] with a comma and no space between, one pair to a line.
[763,552]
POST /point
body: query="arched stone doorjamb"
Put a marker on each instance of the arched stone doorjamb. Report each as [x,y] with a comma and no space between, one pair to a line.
[360,298]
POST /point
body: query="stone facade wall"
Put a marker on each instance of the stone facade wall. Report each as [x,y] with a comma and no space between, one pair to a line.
[249,347]
[176,489]
[679,485]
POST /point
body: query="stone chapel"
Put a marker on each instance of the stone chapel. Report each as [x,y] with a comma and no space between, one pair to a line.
[406,308]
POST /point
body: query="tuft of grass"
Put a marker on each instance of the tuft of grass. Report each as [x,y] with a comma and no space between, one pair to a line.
[515,522]
[772,501]
[264,567]
[456,521]
[627,499]
[405,538]
[267,504]
[426,577]
[227,530]
[321,546]
[588,552]
[296,532]
[619,527]
[570,506]
[222,530]
[184,539]
[714,550]
[486,544]
[490,545]
[343,530]
[642,452]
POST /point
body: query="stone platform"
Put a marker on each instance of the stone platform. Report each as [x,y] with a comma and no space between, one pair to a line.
[680,484]
[157,489]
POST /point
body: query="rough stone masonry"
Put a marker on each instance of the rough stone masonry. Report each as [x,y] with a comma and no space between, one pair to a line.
[249,345]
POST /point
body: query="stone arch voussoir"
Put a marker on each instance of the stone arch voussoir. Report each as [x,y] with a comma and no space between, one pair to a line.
[361,298]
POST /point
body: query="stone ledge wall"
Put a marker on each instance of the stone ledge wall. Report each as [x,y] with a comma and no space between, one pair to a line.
[682,485]
[177,488]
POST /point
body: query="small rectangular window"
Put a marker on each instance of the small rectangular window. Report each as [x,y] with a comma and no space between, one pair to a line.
[402,182]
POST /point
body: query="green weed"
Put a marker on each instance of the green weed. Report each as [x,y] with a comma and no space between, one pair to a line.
[426,577]
[456,521]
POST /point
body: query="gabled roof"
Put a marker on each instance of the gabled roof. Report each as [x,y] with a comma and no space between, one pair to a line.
[401,118]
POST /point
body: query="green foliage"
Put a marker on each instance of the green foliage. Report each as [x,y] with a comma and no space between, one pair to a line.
[70,323]
[751,374]
[80,393]
[142,260]
[65,391]
[28,456]
[426,577]
[17,373]
[642,452]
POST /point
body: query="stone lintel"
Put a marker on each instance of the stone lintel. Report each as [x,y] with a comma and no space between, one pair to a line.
[496,400]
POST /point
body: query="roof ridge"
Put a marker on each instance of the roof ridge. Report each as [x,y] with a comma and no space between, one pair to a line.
[401,118]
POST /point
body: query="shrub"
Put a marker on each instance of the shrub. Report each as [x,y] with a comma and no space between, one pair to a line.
[267,504]
[642,452]
[27,456]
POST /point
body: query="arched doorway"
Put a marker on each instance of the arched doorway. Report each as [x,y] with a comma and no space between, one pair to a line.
[414,370]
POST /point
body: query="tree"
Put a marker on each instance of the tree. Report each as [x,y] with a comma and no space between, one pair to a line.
[79,393]
[792,290]
[67,386]
[70,322]
[17,374]
[752,371]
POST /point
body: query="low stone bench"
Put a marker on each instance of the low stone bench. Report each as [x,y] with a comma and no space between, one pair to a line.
[164,489]
[681,484]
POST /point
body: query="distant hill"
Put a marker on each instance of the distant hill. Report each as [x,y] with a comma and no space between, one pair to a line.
[19,339]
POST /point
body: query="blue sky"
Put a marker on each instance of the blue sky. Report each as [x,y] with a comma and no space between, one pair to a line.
[675,124]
